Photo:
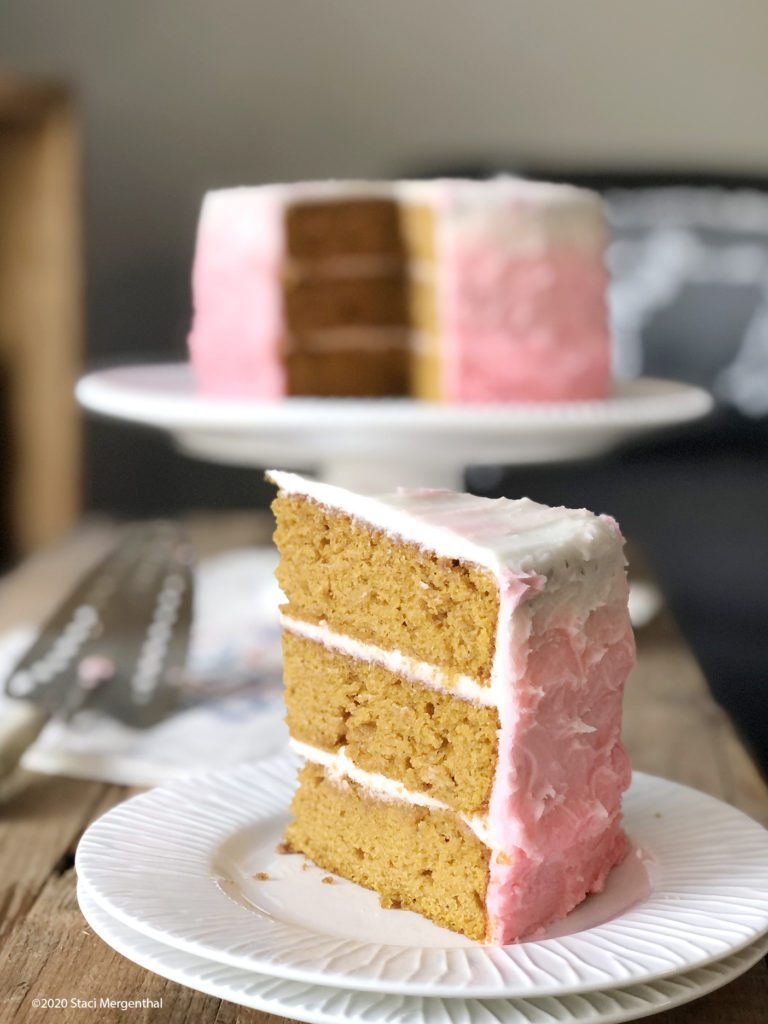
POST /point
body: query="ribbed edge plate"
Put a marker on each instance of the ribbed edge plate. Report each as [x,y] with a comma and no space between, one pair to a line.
[167,864]
[318,1004]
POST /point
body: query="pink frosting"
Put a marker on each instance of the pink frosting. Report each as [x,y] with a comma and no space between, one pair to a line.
[237,325]
[554,815]
[523,328]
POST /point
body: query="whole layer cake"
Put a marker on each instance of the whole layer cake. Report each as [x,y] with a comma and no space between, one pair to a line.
[454,668]
[451,290]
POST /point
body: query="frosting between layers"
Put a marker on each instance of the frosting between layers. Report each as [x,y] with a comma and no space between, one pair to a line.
[340,767]
[461,686]
[349,339]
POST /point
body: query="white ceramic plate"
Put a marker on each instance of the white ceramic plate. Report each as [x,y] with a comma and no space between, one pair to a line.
[179,864]
[406,442]
[318,1004]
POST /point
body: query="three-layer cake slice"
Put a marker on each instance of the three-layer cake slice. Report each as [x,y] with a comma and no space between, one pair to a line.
[454,668]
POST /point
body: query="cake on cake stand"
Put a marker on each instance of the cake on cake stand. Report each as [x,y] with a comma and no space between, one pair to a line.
[375,445]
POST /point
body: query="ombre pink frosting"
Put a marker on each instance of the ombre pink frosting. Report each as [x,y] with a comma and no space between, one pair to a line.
[527,329]
[518,275]
[237,326]
[555,808]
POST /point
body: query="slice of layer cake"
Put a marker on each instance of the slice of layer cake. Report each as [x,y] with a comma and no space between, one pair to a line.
[459,291]
[454,668]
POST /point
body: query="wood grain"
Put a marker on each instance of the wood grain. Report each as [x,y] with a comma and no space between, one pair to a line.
[672,727]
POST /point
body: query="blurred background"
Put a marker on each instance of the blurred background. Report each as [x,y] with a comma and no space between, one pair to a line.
[115,118]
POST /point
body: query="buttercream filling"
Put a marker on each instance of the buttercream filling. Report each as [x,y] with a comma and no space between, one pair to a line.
[340,767]
[349,339]
[344,266]
[414,671]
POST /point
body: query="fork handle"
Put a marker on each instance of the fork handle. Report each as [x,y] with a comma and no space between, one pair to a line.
[20,724]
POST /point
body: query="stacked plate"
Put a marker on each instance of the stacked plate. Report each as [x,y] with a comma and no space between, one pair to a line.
[188,881]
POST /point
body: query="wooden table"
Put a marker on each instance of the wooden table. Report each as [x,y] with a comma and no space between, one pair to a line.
[673,728]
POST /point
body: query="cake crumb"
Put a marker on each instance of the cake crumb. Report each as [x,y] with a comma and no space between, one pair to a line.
[502,858]
[327,880]
[305,866]
[283,848]
[262,876]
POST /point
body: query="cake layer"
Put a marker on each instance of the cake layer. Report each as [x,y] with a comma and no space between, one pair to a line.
[428,740]
[373,587]
[347,373]
[418,221]
[342,227]
[538,893]
[423,314]
[414,857]
[424,376]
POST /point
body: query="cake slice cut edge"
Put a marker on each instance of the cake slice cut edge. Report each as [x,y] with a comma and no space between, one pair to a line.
[509,747]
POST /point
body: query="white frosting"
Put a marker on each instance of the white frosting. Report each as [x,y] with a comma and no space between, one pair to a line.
[515,214]
[504,186]
[495,533]
[518,214]
[395,661]
[329,191]
[353,339]
[339,767]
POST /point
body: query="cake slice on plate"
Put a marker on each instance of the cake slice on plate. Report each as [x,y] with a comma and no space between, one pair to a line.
[454,668]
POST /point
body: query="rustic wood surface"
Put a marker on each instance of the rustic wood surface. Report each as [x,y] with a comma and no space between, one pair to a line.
[673,728]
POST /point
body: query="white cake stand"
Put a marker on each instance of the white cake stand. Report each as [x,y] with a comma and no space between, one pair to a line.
[374,445]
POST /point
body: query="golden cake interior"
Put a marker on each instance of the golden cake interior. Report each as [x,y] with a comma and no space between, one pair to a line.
[414,858]
[429,741]
[381,591]
[441,748]
[418,225]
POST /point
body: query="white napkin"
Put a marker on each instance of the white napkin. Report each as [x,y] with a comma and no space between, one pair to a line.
[235,638]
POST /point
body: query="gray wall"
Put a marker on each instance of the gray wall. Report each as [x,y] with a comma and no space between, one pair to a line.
[181,95]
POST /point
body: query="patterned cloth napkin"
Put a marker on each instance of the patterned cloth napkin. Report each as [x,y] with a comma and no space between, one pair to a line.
[235,640]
